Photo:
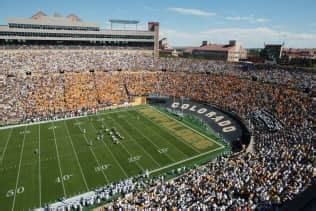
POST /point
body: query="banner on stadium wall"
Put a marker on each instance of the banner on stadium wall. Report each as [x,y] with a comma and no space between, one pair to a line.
[223,123]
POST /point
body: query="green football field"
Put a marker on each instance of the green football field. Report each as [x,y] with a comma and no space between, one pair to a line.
[41,163]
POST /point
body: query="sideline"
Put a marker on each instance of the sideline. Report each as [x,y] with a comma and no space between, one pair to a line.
[185,160]
[106,111]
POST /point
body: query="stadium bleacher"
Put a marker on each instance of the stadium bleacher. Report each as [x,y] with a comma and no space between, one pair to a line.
[281,167]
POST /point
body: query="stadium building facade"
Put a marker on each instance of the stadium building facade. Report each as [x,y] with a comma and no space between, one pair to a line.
[41,29]
[231,52]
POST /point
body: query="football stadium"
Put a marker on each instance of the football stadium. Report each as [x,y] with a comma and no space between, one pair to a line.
[95,119]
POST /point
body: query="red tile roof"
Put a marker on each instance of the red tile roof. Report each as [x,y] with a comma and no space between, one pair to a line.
[211,47]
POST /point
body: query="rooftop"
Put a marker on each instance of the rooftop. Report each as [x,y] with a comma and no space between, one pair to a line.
[40,18]
[211,47]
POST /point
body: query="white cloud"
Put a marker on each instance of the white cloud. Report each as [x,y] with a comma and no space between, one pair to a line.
[191,11]
[250,37]
[250,19]
[261,20]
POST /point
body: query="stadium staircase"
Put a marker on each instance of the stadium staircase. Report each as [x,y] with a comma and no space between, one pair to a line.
[126,91]
[95,87]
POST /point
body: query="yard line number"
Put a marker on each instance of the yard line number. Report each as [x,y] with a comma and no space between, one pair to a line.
[13,192]
[101,167]
[25,132]
[134,158]
[162,150]
[66,177]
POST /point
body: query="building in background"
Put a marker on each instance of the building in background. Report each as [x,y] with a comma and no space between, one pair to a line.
[231,52]
[299,57]
[254,55]
[302,53]
[41,29]
[153,27]
[272,53]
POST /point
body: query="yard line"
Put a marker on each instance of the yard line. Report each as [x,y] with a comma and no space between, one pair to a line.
[19,169]
[5,147]
[175,136]
[140,166]
[39,166]
[67,118]
[112,154]
[65,155]
[163,138]
[139,144]
[208,138]
[188,159]
[59,165]
[117,111]
[75,152]
[157,147]
[95,157]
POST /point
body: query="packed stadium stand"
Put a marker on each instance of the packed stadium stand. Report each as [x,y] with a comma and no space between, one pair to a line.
[48,83]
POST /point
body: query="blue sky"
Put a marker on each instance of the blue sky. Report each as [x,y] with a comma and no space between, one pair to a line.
[188,22]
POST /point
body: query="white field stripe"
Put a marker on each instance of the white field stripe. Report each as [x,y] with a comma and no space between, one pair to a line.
[179,162]
[65,155]
[39,166]
[112,155]
[5,147]
[169,142]
[185,160]
[67,118]
[133,140]
[75,152]
[157,147]
[208,138]
[19,169]
[59,164]
[175,136]
[140,166]
[95,157]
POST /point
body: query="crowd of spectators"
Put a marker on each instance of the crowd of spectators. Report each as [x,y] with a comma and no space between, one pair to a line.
[280,167]
[264,73]
[267,120]
[69,60]
[106,59]
[73,47]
